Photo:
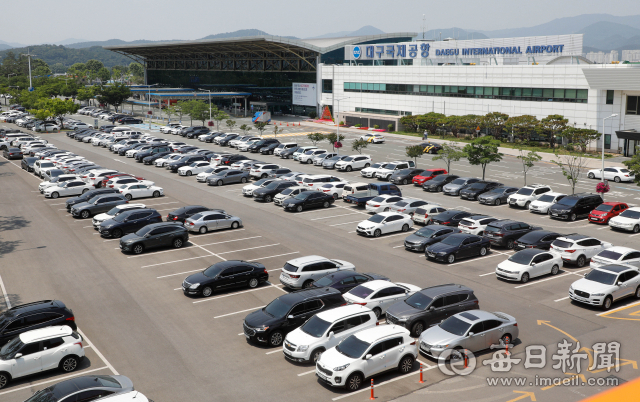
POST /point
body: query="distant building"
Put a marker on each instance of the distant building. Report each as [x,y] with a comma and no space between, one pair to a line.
[602,57]
[631,55]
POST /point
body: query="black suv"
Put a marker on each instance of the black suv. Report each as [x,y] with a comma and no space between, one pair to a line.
[225,141]
[270,324]
[451,217]
[258,145]
[30,316]
[505,232]
[431,305]
[150,159]
[272,189]
[197,131]
[181,214]
[97,205]
[428,235]
[151,151]
[155,235]
[344,281]
[129,222]
[223,276]
[269,149]
[184,161]
[575,206]
[89,195]
[480,187]
[436,184]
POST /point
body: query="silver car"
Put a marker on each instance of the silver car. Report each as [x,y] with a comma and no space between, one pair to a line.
[458,184]
[318,160]
[227,177]
[330,163]
[474,330]
[211,220]
[407,206]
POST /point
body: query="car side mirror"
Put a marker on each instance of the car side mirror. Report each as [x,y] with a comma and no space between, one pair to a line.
[369,356]
[17,356]
[431,308]
[619,283]
[470,334]
[290,317]
[533,264]
[330,335]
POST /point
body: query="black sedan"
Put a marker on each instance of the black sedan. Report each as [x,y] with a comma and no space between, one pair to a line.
[344,281]
[541,239]
[476,189]
[288,153]
[161,234]
[149,160]
[97,205]
[404,176]
[451,217]
[269,149]
[231,159]
[89,195]
[497,196]
[458,246]
[12,153]
[225,141]
[436,184]
[181,214]
[210,137]
[225,275]
[272,189]
[421,239]
[27,163]
[308,200]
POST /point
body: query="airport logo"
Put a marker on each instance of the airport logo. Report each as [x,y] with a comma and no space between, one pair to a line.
[357,52]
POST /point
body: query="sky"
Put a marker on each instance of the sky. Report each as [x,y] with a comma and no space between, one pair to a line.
[45,21]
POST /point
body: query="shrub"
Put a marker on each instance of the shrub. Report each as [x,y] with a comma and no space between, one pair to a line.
[358,125]
[376,126]
[342,123]
[390,127]
[313,114]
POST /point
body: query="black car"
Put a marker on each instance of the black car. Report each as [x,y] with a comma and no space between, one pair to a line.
[231,159]
[97,205]
[129,120]
[476,189]
[430,148]
[161,234]
[258,145]
[458,246]
[12,153]
[270,324]
[404,176]
[431,305]
[30,316]
[541,239]
[225,275]
[211,137]
[428,235]
[196,132]
[288,153]
[451,217]
[184,161]
[129,222]
[181,214]
[27,163]
[151,151]
[269,149]
[498,195]
[149,160]
[344,281]
[186,149]
[436,184]
[575,206]
[308,200]
[225,141]
[88,195]
[84,388]
[272,189]
[505,232]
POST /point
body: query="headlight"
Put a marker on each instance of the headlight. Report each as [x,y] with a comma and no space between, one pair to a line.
[194,286]
[340,368]
[442,253]
[597,294]
[440,346]
[262,328]
[303,348]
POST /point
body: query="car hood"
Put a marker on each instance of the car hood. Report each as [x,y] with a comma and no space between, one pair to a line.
[490,196]
[403,310]
[262,190]
[559,208]
[299,337]
[512,266]
[130,238]
[197,278]
[101,217]
[412,238]
[81,205]
[437,336]
[259,318]
[291,201]
[451,186]
[622,220]
[399,176]
[332,359]
[53,188]
[441,247]
[367,225]
[589,286]
[542,204]
[597,213]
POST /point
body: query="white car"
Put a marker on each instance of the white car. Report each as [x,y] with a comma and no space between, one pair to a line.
[244,146]
[194,168]
[47,127]
[80,125]
[529,263]
[113,212]
[367,353]
[381,203]
[475,224]
[424,215]
[308,156]
[236,142]
[319,159]
[373,169]
[373,138]
[164,161]
[287,193]
[353,162]
[264,170]
[602,286]
[119,181]
[56,181]
[379,294]
[616,255]
[384,223]
[44,349]
[216,160]
[176,129]
[300,273]
[283,147]
[542,204]
[616,174]
[407,206]
[140,190]
[210,171]
[314,182]
[526,195]
[628,220]
[353,188]
[97,175]
[71,187]
[324,331]
[167,129]
[386,172]
[40,165]
[133,152]
[302,150]
[248,190]
[335,189]
[578,249]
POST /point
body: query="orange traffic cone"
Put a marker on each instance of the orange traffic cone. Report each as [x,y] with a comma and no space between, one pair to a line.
[287,124]
[280,123]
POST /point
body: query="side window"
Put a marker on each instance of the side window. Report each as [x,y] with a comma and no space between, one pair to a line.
[451,299]
[365,318]
[437,303]
[477,328]
[537,259]
[396,291]
[91,395]
[227,273]
[339,326]
[632,255]
[392,343]
[297,310]
[319,266]
[380,294]
[491,324]
[35,319]
[361,279]
[376,349]
[52,343]
[30,348]
[354,321]
[631,275]
[15,325]
[349,281]
[312,305]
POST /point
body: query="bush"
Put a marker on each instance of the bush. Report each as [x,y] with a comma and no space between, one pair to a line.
[390,127]
[313,114]
[342,123]
[358,125]
[376,126]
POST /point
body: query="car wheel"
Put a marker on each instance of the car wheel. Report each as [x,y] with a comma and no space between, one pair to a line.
[85,214]
[497,201]
[386,210]
[299,208]
[638,292]
[335,196]
[617,179]
[177,243]
[366,165]
[128,197]
[315,355]
[591,176]
[309,161]
[510,244]
[326,204]
[207,291]
[4,380]
[417,329]
[138,249]
[156,194]
[243,180]
[253,282]
[406,364]
[69,364]
[117,233]
[377,312]
[354,382]
[235,225]
[219,183]
[404,181]
[405,228]
[439,189]
[573,217]
[189,173]
[505,340]
[377,233]
[276,338]
[483,251]
[581,261]
[555,269]
[307,284]
[636,229]
[349,168]
[606,304]
[268,198]
[524,278]
[55,194]
[203,230]
[526,205]
[451,258]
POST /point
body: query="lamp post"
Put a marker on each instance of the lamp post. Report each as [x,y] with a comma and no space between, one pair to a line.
[28,54]
[603,121]
[208,90]
[336,114]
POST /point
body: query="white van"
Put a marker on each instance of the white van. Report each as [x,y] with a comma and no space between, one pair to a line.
[352,188]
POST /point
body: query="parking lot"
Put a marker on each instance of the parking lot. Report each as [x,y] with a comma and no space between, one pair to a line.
[139,323]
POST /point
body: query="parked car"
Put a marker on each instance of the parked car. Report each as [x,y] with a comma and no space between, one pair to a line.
[96,205]
[285,146]
[542,204]
[308,200]
[12,153]
[475,224]
[384,223]
[129,222]
[424,215]
[34,315]
[457,185]
[458,246]
[450,217]
[360,198]
[578,249]
[140,190]
[228,176]
[379,295]
[604,285]
[353,162]
[478,188]
[301,272]
[223,276]
[384,173]
[431,174]
[629,220]
[527,264]
[110,214]
[28,163]
[205,221]
[96,387]
[263,171]
[272,189]
[575,206]
[154,235]
[373,169]
[408,206]
[617,174]
[420,239]
[404,176]
[287,193]
[345,280]
[539,239]
[373,138]
[382,203]
[181,214]
[616,255]
[67,188]
[607,210]
[330,162]
[505,232]
[527,194]
[208,172]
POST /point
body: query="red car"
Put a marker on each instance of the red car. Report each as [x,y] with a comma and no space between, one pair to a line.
[107,178]
[606,211]
[421,179]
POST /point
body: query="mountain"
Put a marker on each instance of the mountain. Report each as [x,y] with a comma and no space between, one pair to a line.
[607,35]
[457,33]
[4,47]
[53,54]
[365,30]
[112,42]
[69,41]
[240,33]
[12,44]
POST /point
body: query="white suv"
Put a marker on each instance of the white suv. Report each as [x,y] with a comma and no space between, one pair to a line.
[354,162]
[39,350]
[301,272]
[301,151]
[367,353]
[263,171]
[316,181]
[194,168]
[475,224]
[283,147]
[616,255]
[526,195]
[385,172]
[308,156]
[578,249]
[325,330]
[602,286]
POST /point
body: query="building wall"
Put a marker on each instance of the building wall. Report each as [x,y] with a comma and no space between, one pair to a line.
[630,55]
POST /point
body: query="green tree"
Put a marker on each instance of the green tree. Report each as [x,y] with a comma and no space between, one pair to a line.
[94,65]
[170,111]
[41,71]
[276,130]
[522,126]
[231,124]
[41,114]
[552,125]
[332,138]
[450,152]
[482,151]
[179,110]
[315,138]
[218,116]
[186,107]
[453,122]
[633,165]
[104,74]
[358,145]
[136,69]
[430,121]
[410,122]
[260,126]
[84,94]
[199,111]
[114,95]
[414,152]
[245,129]
[528,159]
[572,166]
[581,137]
[470,122]
[494,122]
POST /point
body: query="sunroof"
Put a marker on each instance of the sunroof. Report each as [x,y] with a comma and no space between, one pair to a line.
[469,316]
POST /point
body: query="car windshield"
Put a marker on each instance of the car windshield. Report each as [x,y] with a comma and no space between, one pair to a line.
[277,308]
[352,347]
[378,199]
[522,258]
[568,201]
[348,159]
[212,271]
[624,170]
[315,327]
[419,300]
[404,172]
[195,217]
[309,152]
[455,326]
[290,267]
[604,208]
[286,191]
[425,232]
[561,244]
[547,198]
[302,196]
[400,204]
[361,291]
[605,278]
[630,214]
[459,181]
[376,218]
[453,240]
[612,255]
[376,165]
[435,179]
[390,166]
[10,348]
[273,185]
[44,395]
[208,170]
[477,186]
[260,182]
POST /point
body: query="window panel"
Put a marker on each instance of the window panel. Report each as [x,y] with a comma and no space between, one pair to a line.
[558,93]
[583,93]
[383,87]
[479,90]
[609,97]
[357,86]
[438,89]
[547,93]
[517,92]
[430,89]
[632,104]
[376,87]
[526,92]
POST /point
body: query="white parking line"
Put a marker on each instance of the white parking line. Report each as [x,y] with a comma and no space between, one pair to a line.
[179,273]
[171,262]
[164,203]
[553,277]
[197,245]
[307,372]
[345,223]
[493,254]
[333,216]
[90,226]
[386,237]
[4,293]
[274,351]
[402,245]
[564,298]
[234,294]
[100,355]
[238,312]
[273,256]
[488,273]
[54,380]
[250,248]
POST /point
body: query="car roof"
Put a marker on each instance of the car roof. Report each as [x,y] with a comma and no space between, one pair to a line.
[388,213]
[476,315]
[434,291]
[306,260]
[372,334]
[45,333]
[612,203]
[34,306]
[503,222]
[306,294]
[478,217]
[620,249]
[378,284]
[553,193]
[130,206]
[575,237]
[336,314]
[531,252]
[536,186]
[616,268]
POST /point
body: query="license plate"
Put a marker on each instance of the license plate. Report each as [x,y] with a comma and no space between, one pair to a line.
[322,376]
[554,214]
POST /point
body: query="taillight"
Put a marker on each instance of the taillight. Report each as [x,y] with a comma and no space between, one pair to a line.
[375,206]
[361,304]
[78,343]
[471,227]
[310,184]
[515,325]
[499,234]
[476,302]
[413,343]
[401,210]
[294,276]
[446,223]
[191,223]
[70,319]
[265,271]
[570,251]
[175,218]
[377,322]
[426,215]
[326,191]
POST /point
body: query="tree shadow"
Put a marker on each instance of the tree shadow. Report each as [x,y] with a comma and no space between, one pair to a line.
[7,247]
[7,174]
[13,222]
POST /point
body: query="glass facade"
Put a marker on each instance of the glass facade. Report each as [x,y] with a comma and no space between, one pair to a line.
[383,111]
[509,93]
[327,86]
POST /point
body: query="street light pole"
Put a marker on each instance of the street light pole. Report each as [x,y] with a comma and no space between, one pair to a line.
[335,113]
[29,58]
[603,121]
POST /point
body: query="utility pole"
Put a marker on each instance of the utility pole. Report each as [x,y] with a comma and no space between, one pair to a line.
[29,55]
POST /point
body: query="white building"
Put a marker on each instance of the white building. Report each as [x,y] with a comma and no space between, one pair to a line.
[631,55]
[602,57]
[381,89]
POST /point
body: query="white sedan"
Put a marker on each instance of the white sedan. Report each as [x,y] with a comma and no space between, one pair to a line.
[629,220]
[542,204]
[373,138]
[140,190]
[47,127]
[72,187]
[383,223]
[209,171]
[163,162]
[378,295]
[529,263]
[194,168]
[382,203]
[616,174]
